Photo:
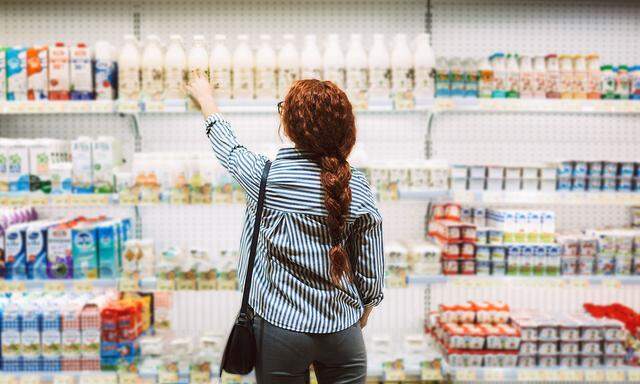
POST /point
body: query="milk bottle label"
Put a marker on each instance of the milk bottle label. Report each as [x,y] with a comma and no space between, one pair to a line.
[129,83]
[566,83]
[152,83]
[266,83]
[379,79]
[3,73]
[512,84]
[538,85]
[11,345]
[286,77]
[51,343]
[580,84]
[104,79]
[175,77]
[31,344]
[357,79]
[243,83]
[424,81]
[335,75]
[593,85]
[526,84]
[311,73]
[16,74]
[552,84]
[221,80]
[403,80]
[37,73]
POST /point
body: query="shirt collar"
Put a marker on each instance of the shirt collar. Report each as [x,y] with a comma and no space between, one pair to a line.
[293,153]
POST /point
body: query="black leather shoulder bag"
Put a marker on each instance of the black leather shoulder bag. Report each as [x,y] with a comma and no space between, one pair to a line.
[239,355]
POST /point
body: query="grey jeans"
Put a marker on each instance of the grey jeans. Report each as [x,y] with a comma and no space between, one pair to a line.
[284,357]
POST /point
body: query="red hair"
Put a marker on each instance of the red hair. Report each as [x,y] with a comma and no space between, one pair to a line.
[317,116]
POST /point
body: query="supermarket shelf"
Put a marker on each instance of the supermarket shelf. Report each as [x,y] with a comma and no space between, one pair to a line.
[563,374]
[539,197]
[533,281]
[84,285]
[442,105]
[537,106]
[114,107]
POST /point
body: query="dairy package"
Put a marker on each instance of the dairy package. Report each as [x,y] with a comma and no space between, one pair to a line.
[402,73]
[36,249]
[357,72]
[17,153]
[424,62]
[310,59]
[104,71]
[16,252]
[152,69]
[4,177]
[59,259]
[175,69]
[334,64]
[197,63]
[30,337]
[82,171]
[106,157]
[39,165]
[84,251]
[266,70]
[243,66]
[80,73]
[61,181]
[129,70]
[16,73]
[220,68]
[59,72]
[288,65]
[109,245]
[51,338]
[3,73]
[379,69]
[38,73]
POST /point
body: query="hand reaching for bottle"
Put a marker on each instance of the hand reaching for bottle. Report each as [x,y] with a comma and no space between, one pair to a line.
[200,89]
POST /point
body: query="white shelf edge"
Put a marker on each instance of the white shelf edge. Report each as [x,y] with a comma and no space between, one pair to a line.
[576,280]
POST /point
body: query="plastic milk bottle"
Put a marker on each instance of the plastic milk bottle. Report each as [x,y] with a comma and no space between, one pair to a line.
[197,62]
[243,66]
[175,69]
[311,61]
[288,65]
[424,62]
[220,67]
[266,70]
[152,70]
[129,70]
[402,72]
[379,69]
[357,72]
[334,68]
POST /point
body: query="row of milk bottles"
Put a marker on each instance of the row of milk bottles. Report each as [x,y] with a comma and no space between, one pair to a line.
[156,74]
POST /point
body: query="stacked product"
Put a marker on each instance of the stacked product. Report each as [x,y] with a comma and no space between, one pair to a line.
[456,239]
[626,316]
[601,252]
[532,177]
[390,178]
[491,258]
[414,257]
[82,248]
[477,334]
[52,332]
[606,176]
[550,340]
[84,165]
[156,75]
[550,77]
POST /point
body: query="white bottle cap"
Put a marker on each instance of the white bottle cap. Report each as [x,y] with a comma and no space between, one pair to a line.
[198,38]
[220,37]
[265,37]
[175,38]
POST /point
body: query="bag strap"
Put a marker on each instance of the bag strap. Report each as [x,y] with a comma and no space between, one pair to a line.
[254,240]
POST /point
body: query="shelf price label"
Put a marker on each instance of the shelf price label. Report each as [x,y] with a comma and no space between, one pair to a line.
[128,285]
[594,375]
[30,379]
[15,286]
[127,378]
[7,379]
[494,375]
[466,375]
[633,375]
[430,374]
[63,379]
[54,286]
[527,375]
[614,376]
[82,286]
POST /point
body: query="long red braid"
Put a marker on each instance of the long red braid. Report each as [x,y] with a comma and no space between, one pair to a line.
[317,116]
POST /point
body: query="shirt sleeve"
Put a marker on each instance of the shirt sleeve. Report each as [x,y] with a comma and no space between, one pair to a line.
[367,257]
[243,165]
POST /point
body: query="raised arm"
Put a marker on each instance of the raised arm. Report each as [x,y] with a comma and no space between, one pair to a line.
[244,165]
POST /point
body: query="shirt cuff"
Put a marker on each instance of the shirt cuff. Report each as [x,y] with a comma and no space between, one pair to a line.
[213,118]
[374,302]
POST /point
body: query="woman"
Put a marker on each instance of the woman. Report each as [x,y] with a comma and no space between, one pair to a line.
[319,266]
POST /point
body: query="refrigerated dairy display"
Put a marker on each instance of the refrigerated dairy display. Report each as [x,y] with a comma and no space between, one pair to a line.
[499,242]
[490,334]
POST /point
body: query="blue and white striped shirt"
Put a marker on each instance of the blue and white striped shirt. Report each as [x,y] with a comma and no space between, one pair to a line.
[292,287]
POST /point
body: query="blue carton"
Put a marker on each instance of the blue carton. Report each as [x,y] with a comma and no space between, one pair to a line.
[16,252]
[84,248]
[36,236]
[108,249]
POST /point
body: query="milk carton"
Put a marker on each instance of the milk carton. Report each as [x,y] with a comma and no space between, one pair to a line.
[16,251]
[38,73]
[3,73]
[61,178]
[5,144]
[11,325]
[30,336]
[18,166]
[104,69]
[59,82]
[81,75]
[59,260]
[107,155]
[84,250]
[51,338]
[82,171]
[108,253]
[16,73]
[39,161]
[36,238]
